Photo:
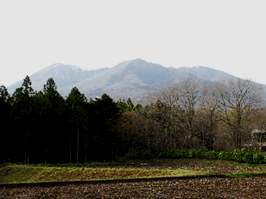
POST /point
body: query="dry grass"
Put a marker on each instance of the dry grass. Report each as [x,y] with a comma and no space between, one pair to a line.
[29,174]
[189,162]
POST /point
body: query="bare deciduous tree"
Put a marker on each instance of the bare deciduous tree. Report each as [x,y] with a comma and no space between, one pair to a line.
[194,115]
[207,116]
[190,96]
[238,97]
[169,94]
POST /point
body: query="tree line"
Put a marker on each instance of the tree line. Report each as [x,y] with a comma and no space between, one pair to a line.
[195,115]
[43,127]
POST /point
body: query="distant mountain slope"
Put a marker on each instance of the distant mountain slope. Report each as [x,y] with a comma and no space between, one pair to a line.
[207,74]
[135,74]
[63,75]
[133,78]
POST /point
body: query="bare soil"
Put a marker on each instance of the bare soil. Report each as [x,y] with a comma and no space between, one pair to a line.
[252,187]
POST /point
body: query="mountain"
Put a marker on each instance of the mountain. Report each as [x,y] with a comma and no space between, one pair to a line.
[126,77]
[207,74]
[133,78]
[63,75]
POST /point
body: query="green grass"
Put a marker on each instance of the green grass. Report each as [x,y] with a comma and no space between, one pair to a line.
[28,174]
[257,165]
[244,174]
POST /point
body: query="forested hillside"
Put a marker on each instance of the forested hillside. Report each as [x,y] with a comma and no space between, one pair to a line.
[43,127]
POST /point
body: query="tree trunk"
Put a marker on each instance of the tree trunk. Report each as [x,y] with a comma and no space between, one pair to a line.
[85,158]
[103,153]
[70,149]
[78,144]
[45,152]
[25,157]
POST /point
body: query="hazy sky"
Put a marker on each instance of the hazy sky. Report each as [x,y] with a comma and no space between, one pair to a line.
[228,35]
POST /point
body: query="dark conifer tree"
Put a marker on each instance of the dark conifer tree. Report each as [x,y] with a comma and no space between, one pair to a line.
[6,124]
[103,116]
[78,117]
[22,115]
[53,118]
[40,135]
[127,106]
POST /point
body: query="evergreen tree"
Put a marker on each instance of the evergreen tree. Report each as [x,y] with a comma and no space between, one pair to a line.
[103,116]
[39,136]
[127,106]
[53,118]
[76,104]
[130,104]
[22,115]
[5,123]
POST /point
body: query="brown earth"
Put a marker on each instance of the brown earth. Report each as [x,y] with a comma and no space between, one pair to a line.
[252,187]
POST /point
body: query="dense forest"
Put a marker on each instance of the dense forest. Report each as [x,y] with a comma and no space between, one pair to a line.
[43,127]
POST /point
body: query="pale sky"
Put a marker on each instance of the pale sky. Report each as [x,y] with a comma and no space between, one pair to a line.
[228,35]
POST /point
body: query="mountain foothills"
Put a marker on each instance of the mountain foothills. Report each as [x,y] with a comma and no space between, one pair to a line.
[129,79]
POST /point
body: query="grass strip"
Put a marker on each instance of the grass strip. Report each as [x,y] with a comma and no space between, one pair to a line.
[239,174]
[27,174]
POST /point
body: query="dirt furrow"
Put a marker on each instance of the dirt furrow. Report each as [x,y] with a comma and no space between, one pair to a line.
[252,187]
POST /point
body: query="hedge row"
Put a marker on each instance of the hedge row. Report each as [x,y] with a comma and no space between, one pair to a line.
[240,155]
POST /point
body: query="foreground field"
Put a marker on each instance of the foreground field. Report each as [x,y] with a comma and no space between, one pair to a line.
[244,187]
[194,188]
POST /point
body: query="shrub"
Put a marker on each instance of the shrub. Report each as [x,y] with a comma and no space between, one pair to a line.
[211,155]
[223,155]
[184,153]
[191,153]
[248,157]
[199,153]
[238,154]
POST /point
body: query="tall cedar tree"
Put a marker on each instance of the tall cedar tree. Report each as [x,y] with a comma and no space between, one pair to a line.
[103,116]
[22,115]
[40,136]
[76,103]
[5,123]
[53,118]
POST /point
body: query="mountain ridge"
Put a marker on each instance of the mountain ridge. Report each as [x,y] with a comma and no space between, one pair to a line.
[63,74]
[130,78]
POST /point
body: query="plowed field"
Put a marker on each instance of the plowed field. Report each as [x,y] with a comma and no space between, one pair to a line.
[252,187]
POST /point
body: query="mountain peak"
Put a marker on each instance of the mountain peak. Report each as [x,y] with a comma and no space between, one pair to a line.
[137,60]
[133,61]
[63,65]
